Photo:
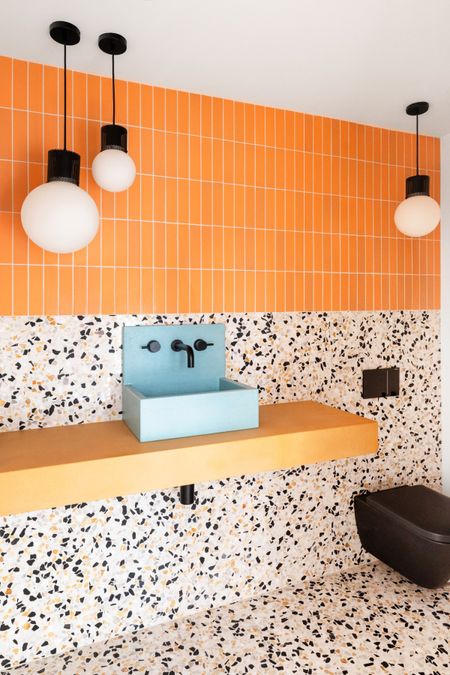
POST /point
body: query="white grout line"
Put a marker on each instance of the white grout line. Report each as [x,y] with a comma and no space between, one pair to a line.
[211,269]
[321,236]
[284,208]
[43,160]
[72,299]
[234,203]
[58,284]
[304,218]
[86,297]
[265,214]
[177,221]
[244,142]
[28,181]
[382,200]
[255,209]
[165,205]
[127,219]
[189,201]
[153,200]
[223,202]
[201,204]
[141,286]
[12,192]
[262,229]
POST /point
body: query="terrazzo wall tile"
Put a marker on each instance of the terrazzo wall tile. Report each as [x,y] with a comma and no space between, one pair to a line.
[71,576]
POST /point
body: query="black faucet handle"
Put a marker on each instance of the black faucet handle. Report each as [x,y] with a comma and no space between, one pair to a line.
[200,345]
[153,346]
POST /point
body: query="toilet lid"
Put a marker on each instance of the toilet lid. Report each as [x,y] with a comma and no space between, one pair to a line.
[419,508]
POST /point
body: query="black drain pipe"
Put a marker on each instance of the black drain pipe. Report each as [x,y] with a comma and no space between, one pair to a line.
[187,494]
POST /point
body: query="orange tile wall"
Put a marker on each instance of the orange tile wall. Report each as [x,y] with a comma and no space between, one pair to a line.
[236,207]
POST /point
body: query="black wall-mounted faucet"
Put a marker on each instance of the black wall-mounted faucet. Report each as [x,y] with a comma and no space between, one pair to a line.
[178,346]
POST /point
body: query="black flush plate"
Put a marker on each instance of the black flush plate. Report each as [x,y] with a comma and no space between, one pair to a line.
[381,382]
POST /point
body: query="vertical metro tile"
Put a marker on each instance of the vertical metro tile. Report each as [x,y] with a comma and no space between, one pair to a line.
[121,290]
[260,295]
[172,291]
[6,78]
[159,292]
[6,237]
[121,102]
[194,114]
[250,291]
[147,286]
[195,291]
[207,291]
[206,116]
[6,145]
[66,304]
[79,83]
[108,290]
[93,96]
[146,111]
[80,279]
[183,292]
[20,84]
[20,295]
[6,285]
[51,289]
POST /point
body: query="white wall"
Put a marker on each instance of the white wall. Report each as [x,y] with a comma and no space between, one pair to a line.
[445,308]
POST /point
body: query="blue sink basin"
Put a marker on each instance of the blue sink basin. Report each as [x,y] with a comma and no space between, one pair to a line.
[163,398]
[229,407]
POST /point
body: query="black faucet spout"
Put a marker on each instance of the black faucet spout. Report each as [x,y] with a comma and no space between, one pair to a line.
[178,346]
[190,356]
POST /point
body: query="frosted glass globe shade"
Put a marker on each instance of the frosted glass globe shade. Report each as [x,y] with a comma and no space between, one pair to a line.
[60,217]
[417,216]
[114,170]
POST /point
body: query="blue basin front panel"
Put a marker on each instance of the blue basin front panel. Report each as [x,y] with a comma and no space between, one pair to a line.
[232,406]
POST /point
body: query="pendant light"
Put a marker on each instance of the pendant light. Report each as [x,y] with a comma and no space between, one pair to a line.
[59,216]
[113,168]
[418,214]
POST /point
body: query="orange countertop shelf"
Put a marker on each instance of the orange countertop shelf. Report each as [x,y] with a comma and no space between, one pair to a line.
[41,468]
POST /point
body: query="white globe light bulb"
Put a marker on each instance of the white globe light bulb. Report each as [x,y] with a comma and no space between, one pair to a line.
[60,217]
[417,216]
[113,170]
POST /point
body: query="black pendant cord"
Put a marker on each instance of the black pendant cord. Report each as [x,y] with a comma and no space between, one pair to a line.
[63,164]
[114,136]
[113,91]
[65,97]
[418,184]
[417,145]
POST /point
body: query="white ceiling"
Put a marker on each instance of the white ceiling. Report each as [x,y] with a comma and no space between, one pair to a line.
[363,60]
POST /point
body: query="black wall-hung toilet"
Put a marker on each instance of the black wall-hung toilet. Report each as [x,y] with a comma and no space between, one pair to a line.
[408,528]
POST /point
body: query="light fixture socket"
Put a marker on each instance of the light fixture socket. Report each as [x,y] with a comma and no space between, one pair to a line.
[418,108]
[63,165]
[64,33]
[417,185]
[114,137]
[112,44]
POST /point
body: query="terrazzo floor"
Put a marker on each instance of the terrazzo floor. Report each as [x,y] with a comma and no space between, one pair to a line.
[370,621]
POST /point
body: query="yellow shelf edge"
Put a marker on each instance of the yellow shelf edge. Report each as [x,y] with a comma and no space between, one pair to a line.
[116,464]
